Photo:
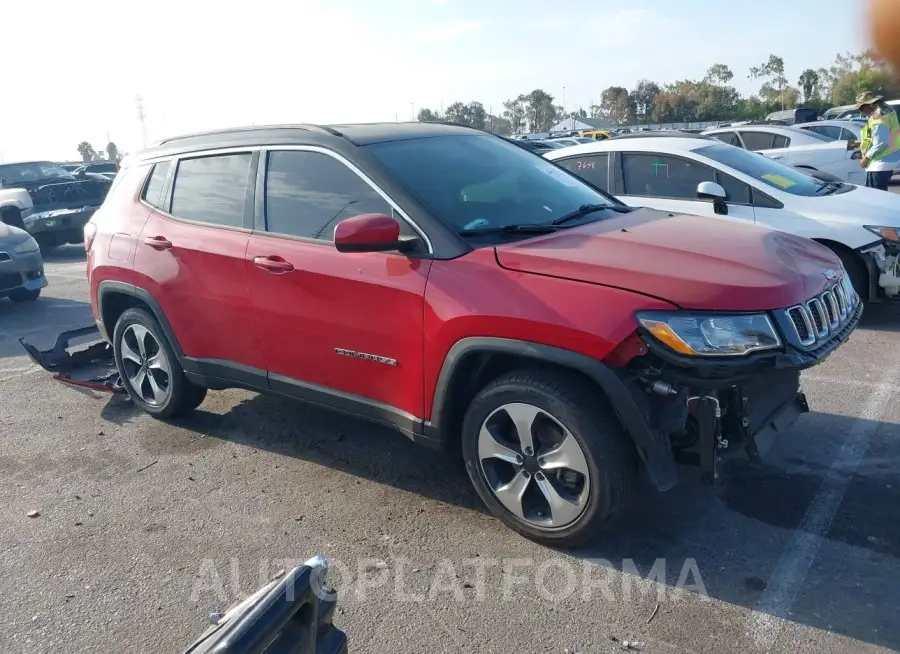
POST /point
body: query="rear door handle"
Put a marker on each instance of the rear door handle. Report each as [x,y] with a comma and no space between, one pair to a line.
[158,242]
[273,264]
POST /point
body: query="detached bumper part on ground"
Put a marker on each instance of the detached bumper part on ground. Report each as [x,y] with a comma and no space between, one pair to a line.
[92,367]
[290,616]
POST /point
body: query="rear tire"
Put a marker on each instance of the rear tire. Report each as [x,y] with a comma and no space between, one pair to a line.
[580,453]
[149,368]
[21,295]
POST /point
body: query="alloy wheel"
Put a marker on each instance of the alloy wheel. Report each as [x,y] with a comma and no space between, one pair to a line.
[145,364]
[533,465]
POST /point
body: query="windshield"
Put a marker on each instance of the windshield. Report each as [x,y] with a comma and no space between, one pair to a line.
[34,171]
[476,181]
[762,169]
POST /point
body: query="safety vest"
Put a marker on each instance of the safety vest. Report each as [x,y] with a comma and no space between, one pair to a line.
[890,121]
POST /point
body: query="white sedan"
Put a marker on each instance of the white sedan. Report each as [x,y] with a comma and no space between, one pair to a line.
[798,148]
[708,178]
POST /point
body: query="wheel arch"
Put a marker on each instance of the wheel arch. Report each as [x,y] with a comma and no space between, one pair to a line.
[114,298]
[867,263]
[474,361]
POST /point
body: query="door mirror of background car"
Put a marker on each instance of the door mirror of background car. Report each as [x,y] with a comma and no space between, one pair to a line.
[714,192]
[369,232]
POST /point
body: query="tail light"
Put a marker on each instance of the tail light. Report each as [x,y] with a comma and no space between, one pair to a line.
[90,231]
[856,155]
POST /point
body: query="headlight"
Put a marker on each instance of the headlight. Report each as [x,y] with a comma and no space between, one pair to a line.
[887,233]
[26,246]
[698,335]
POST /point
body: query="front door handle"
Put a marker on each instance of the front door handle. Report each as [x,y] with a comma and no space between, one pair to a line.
[775,156]
[273,264]
[158,242]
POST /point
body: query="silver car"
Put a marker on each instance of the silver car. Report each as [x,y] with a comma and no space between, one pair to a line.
[21,265]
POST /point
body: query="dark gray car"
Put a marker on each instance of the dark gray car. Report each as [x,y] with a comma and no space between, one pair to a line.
[21,265]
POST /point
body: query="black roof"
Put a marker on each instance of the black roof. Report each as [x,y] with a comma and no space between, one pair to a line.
[354,134]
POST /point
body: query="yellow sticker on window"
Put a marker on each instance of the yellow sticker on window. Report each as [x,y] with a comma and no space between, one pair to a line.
[779,180]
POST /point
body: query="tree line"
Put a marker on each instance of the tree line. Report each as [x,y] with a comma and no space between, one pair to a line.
[87,152]
[709,99]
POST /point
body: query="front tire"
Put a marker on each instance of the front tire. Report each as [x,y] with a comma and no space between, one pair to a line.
[859,276]
[548,456]
[150,370]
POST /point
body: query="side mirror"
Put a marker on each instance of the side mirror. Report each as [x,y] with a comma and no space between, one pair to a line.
[710,191]
[369,232]
[714,192]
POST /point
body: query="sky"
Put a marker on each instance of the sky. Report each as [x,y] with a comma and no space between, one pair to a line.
[202,65]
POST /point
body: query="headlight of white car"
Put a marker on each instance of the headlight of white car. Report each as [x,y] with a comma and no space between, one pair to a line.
[26,246]
[711,335]
[887,233]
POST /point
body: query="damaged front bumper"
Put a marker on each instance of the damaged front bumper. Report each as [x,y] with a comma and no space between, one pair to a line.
[884,270]
[90,368]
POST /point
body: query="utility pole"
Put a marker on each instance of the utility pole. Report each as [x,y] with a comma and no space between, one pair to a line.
[142,117]
[412,111]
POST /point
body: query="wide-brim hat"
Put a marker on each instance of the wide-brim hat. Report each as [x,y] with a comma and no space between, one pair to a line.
[866,97]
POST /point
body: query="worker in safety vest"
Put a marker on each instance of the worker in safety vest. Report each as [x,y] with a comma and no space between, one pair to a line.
[879,140]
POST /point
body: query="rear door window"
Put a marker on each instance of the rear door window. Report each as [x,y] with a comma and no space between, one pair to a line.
[756,141]
[212,189]
[847,135]
[592,168]
[662,176]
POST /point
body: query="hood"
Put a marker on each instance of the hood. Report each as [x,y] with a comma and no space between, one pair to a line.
[694,262]
[860,206]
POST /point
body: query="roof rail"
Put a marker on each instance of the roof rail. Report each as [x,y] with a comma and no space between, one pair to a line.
[307,126]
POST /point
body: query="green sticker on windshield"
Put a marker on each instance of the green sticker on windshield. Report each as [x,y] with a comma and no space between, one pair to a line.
[779,180]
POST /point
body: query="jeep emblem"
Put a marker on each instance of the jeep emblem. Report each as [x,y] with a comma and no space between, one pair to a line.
[829,274]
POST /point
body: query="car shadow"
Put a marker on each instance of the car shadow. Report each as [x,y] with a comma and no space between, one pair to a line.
[64,254]
[691,522]
[881,317]
[39,322]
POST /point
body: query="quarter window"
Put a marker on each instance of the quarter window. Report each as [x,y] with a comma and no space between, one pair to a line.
[781,141]
[308,193]
[758,140]
[592,168]
[731,138]
[212,189]
[153,190]
[655,175]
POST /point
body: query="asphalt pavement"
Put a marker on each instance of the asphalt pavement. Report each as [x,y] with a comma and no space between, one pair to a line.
[145,528]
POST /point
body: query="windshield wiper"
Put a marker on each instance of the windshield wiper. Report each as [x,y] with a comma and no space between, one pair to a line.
[830,187]
[524,228]
[587,209]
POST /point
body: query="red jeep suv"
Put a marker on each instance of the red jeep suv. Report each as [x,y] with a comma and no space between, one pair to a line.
[469,293]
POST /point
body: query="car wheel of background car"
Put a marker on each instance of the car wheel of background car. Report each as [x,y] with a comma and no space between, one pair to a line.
[858,274]
[547,456]
[21,295]
[149,368]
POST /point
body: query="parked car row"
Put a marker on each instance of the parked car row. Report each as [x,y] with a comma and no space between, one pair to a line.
[479,298]
[689,175]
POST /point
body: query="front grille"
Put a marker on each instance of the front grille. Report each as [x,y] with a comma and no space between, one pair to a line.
[10,280]
[70,194]
[824,316]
